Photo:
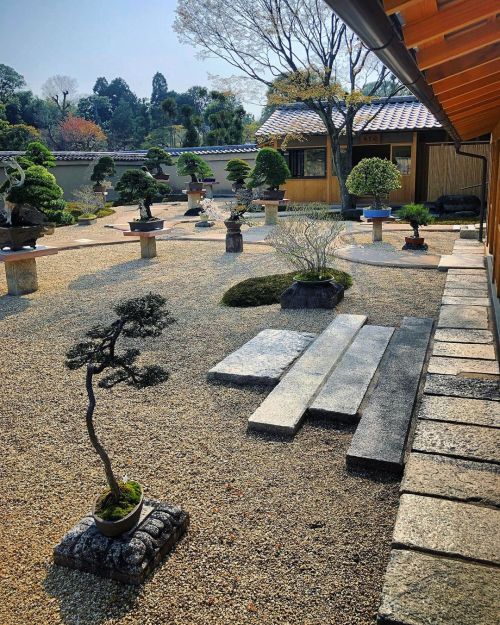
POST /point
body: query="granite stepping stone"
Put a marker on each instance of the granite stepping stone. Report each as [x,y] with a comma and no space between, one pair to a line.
[466,261]
[417,591]
[452,478]
[455,386]
[467,272]
[465,301]
[283,409]
[471,280]
[343,392]
[451,291]
[458,335]
[460,410]
[380,438]
[457,366]
[464,350]
[450,528]
[471,442]
[264,359]
[453,316]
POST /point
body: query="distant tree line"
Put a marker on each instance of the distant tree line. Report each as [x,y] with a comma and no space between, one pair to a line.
[113,117]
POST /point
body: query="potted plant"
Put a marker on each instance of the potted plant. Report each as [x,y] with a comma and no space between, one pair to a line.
[270,171]
[306,242]
[89,203]
[155,158]
[104,168]
[233,217]
[238,170]
[139,185]
[375,177]
[189,164]
[418,215]
[118,508]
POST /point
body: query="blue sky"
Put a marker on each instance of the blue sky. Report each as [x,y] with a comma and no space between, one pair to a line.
[90,38]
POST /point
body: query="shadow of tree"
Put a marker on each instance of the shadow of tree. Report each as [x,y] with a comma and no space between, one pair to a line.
[111,275]
[12,305]
[87,599]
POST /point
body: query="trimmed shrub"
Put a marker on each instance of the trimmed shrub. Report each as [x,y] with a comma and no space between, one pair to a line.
[104,168]
[155,158]
[270,170]
[60,218]
[375,177]
[189,164]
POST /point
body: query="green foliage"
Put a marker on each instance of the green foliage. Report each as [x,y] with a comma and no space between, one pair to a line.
[10,81]
[164,190]
[88,216]
[17,136]
[104,168]
[39,190]
[108,509]
[266,290]
[105,212]
[238,170]
[416,213]
[134,185]
[37,153]
[375,177]
[59,217]
[189,164]
[270,170]
[155,158]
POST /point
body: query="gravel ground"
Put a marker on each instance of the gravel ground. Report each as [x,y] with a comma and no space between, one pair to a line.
[280,532]
[438,242]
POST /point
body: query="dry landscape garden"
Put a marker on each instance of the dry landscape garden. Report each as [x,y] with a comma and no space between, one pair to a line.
[250,367]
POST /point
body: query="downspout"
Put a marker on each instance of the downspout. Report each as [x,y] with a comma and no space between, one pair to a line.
[484,160]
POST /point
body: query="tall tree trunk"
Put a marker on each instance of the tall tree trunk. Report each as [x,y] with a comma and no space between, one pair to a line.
[113,484]
[342,170]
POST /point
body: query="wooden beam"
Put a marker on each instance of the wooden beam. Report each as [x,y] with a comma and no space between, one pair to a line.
[473,95]
[472,107]
[468,63]
[474,111]
[468,87]
[479,121]
[484,126]
[396,6]
[458,46]
[448,20]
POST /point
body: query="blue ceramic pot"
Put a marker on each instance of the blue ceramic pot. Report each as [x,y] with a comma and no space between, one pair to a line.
[372,213]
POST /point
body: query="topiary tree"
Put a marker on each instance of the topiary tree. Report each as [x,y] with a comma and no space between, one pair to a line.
[37,153]
[237,170]
[270,170]
[155,158]
[375,177]
[137,185]
[137,318]
[418,215]
[189,164]
[104,168]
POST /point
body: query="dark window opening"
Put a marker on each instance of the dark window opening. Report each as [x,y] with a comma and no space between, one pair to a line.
[359,152]
[307,163]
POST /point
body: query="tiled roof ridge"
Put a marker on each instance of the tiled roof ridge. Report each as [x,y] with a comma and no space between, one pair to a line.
[391,100]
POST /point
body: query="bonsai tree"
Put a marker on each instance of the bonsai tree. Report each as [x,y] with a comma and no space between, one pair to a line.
[375,177]
[418,215]
[38,153]
[138,185]
[270,170]
[137,318]
[189,164]
[238,170]
[155,158]
[89,203]
[104,168]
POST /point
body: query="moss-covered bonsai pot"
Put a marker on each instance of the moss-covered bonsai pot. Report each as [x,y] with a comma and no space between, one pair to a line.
[114,522]
[87,219]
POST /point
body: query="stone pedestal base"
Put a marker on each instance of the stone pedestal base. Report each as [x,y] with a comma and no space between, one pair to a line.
[234,242]
[377,230]
[129,558]
[301,295]
[194,199]
[21,277]
[148,247]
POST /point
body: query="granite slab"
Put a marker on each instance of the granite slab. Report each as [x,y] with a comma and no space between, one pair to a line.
[460,410]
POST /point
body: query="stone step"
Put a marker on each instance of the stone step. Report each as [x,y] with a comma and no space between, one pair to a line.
[462,366]
[464,350]
[471,317]
[455,386]
[343,392]
[465,301]
[461,335]
[380,439]
[465,261]
[460,410]
[467,272]
[262,360]
[423,589]
[477,279]
[283,409]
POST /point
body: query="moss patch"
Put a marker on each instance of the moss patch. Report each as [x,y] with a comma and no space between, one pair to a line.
[110,510]
[105,212]
[267,290]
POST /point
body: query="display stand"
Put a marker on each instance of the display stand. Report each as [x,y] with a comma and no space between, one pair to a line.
[20,268]
[147,240]
[271,209]
[194,197]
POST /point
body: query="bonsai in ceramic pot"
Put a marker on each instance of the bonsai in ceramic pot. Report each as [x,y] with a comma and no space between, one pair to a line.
[238,170]
[418,215]
[376,178]
[306,242]
[104,168]
[270,171]
[233,216]
[189,164]
[89,203]
[155,158]
[118,508]
[138,185]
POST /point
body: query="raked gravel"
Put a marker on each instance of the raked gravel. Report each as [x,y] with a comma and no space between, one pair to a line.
[280,532]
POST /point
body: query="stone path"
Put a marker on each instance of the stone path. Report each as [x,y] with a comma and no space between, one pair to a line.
[467,254]
[445,563]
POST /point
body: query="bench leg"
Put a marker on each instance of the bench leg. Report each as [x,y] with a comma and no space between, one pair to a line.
[21,276]
[148,247]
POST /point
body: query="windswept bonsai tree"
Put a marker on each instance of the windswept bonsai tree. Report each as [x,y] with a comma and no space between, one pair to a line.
[271,171]
[189,164]
[138,185]
[155,158]
[104,168]
[238,170]
[418,215]
[375,177]
[137,318]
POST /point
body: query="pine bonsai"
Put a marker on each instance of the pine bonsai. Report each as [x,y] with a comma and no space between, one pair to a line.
[155,158]
[270,170]
[375,177]
[38,153]
[138,185]
[189,164]
[104,168]
[137,318]
[238,170]
[418,215]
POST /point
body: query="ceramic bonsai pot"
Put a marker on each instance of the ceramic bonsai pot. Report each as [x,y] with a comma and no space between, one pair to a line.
[86,221]
[116,528]
[414,243]
[146,226]
[195,186]
[272,194]
[372,213]
[17,237]
[161,176]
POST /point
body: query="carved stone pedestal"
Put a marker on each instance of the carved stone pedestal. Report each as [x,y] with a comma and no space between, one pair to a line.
[234,238]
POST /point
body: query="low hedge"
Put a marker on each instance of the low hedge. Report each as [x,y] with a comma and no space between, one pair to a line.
[266,290]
